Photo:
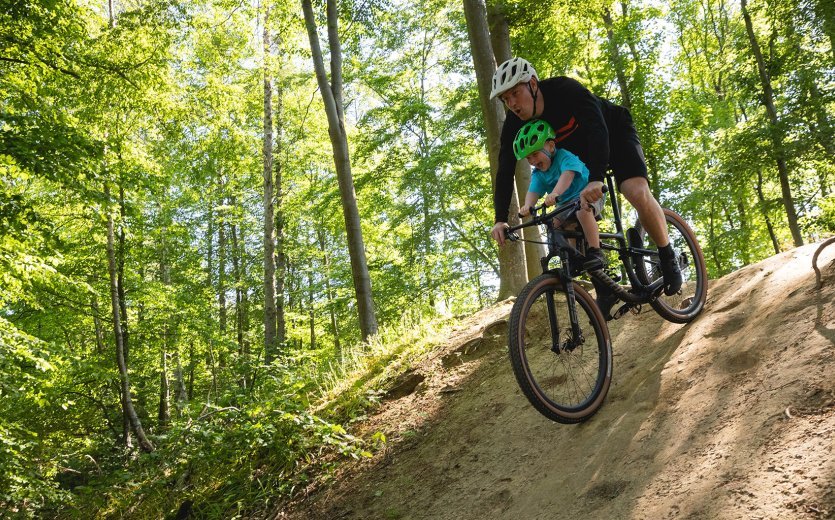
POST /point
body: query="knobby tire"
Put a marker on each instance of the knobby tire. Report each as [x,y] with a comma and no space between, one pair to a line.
[568,387]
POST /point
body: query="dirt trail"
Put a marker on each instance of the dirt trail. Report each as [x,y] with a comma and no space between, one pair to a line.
[732,416]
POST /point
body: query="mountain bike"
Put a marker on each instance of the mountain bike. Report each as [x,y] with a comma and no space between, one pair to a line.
[560,347]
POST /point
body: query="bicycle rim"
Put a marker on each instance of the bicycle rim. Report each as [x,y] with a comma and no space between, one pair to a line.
[567,384]
[684,306]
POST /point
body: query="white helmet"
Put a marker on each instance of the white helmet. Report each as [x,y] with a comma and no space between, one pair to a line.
[511,73]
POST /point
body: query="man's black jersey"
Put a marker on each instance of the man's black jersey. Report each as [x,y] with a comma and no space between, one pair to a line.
[580,120]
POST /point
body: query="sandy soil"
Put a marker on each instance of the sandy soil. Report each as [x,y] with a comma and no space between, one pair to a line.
[731,416]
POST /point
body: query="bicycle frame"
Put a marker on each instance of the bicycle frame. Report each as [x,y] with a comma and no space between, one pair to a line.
[558,246]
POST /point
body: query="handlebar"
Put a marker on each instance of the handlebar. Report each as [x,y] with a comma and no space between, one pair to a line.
[545,215]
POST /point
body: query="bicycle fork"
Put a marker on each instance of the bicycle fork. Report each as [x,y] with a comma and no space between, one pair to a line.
[576,337]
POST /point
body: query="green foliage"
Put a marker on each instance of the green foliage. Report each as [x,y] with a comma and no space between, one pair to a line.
[160,104]
[226,460]
[26,479]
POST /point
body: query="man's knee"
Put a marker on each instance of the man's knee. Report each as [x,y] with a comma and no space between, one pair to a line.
[637,192]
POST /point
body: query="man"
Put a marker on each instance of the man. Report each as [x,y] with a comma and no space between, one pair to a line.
[600,133]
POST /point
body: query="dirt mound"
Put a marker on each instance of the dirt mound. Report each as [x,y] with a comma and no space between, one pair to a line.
[731,416]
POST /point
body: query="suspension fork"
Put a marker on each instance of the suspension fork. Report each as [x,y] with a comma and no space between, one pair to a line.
[568,283]
[552,321]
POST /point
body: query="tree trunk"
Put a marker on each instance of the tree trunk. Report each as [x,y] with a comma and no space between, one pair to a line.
[221,272]
[714,249]
[121,360]
[328,291]
[192,363]
[120,273]
[825,11]
[332,97]
[500,41]
[280,248]
[210,240]
[269,244]
[745,229]
[775,130]
[311,313]
[617,60]
[238,280]
[181,397]
[764,209]
[164,411]
[94,307]
[512,264]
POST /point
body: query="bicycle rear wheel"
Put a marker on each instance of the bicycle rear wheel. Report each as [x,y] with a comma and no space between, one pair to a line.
[684,306]
[567,381]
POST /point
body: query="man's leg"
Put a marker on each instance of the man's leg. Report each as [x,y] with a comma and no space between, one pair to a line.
[636,190]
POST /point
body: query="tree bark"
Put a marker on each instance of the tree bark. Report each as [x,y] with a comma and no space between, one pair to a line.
[512,264]
[311,313]
[221,272]
[164,411]
[328,291]
[500,41]
[332,97]
[776,132]
[121,360]
[269,244]
[617,60]
[714,249]
[97,326]
[120,273]
[764,208]
[280,248]
[825,10]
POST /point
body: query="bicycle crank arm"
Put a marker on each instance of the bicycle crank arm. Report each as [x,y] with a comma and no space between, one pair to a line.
[620,291]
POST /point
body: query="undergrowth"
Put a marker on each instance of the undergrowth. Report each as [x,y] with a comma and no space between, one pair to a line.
[246,452]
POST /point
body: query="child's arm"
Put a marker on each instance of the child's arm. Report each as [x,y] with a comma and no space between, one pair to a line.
[562,185]
[530,202]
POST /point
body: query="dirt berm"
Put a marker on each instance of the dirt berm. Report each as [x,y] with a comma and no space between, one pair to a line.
[731,416]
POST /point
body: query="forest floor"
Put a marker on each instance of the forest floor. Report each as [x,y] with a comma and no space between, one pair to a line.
[731,416]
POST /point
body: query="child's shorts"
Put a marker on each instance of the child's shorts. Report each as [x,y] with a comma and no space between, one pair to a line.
[597,207]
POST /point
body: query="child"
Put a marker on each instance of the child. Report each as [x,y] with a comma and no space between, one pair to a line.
[559,173]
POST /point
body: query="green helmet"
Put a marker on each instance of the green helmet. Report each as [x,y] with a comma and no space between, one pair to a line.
[531,138]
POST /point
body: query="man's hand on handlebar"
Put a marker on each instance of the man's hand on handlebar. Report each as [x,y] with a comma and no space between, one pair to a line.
[525,211]
[499,232]
[591,193]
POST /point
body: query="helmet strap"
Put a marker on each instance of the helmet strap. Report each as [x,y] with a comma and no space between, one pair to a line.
[534,95]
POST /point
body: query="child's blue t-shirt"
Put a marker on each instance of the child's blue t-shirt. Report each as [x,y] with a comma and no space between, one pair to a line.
[543,182]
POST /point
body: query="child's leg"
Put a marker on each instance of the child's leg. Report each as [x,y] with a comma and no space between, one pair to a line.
[590,228]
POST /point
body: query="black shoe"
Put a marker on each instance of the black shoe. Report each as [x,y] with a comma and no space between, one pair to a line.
[670,270]
[606,299]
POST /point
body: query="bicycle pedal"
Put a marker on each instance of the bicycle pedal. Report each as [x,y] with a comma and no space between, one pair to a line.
[621,311]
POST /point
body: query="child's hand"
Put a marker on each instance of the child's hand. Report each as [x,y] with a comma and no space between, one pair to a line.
[525,210]
[551,199]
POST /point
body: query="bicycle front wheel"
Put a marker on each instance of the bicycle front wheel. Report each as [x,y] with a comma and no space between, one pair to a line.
[564,375]
[684,306]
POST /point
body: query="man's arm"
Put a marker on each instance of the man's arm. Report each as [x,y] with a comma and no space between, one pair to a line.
[595,134]
[505,174]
